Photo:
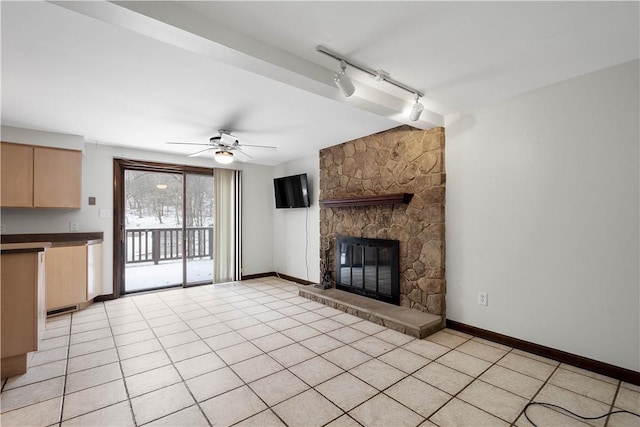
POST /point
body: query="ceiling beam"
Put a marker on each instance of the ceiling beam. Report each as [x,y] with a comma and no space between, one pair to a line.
[174,24]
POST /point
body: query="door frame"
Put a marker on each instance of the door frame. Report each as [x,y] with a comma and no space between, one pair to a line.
[119,167]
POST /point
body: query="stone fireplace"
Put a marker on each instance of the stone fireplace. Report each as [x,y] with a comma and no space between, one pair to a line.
[405,161]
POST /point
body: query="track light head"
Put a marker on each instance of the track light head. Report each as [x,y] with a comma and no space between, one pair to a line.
[345,84]
[416,110]
[343,81]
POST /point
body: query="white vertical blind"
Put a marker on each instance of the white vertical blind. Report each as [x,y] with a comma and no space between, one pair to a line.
[226,244]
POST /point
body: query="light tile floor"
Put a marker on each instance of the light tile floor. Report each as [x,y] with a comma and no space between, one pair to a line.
[254,353]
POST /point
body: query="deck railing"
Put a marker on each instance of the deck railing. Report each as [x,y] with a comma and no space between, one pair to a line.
[163,244]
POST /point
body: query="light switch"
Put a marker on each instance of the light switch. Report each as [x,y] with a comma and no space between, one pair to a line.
[105,213]
[92,201]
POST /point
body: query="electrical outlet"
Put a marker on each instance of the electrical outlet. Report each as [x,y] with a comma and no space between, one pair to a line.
[105,213]
[483,298]
[74,226]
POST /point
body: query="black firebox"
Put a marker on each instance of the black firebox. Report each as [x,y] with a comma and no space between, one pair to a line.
[369,267]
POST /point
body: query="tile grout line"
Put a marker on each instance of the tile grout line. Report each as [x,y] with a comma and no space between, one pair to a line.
[320,333]
[453,396]
[343,344]
[124,382]
[411,375]
[378,391]
[613,403]
[268,407]
[107,382]
[66,372]
[266,353]
[557,368]
[203,340]
[172,364]
[168,303]
[476,378]
[285,368]
[544,383]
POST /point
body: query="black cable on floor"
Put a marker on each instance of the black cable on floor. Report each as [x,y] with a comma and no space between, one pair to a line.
[561,409]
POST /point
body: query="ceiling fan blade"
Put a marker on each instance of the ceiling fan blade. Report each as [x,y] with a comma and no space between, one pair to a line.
[187,143]
[197,153]
[242,152]
[270,147]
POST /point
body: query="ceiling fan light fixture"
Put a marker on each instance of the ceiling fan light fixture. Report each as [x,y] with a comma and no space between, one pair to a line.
[416,110]
[343,81]
[223,157]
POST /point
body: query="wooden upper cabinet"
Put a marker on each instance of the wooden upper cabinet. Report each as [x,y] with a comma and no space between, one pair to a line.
[40,177]
[17,175]
[57,178]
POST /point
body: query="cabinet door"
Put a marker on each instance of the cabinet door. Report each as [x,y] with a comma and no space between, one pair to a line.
[94,270]
[66,276]
[17,175]
[57,178]
[19,303]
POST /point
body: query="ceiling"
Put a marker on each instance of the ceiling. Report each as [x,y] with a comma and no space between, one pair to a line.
[140,74]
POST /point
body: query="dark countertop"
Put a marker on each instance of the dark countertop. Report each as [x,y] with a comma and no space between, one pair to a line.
[56,239]
[19,248]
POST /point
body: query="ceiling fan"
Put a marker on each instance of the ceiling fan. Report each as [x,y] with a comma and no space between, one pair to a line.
[224,145]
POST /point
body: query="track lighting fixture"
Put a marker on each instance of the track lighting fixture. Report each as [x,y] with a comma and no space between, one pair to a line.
[345,84]
[223,156]
[416,110]
[343,81]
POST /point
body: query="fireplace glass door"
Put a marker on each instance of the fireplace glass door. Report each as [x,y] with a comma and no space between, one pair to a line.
[368,267]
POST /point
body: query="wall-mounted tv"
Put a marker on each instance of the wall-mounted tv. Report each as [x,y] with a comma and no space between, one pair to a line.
[291,192]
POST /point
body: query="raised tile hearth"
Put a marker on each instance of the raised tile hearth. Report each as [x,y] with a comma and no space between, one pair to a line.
[402,319]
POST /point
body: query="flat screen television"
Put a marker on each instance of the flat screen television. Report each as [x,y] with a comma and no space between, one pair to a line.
[291,192]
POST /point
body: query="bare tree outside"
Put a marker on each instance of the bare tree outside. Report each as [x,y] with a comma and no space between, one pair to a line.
[199,201]
[157,198]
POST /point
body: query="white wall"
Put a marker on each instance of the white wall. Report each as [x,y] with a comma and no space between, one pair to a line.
[43,139]
[543,214]
[97,181]
[257,220]
[296,232]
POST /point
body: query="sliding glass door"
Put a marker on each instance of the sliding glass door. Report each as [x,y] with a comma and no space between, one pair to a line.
[153,224]
[198,222]
[168,229]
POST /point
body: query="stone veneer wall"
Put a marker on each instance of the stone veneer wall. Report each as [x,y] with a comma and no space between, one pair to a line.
[401,160]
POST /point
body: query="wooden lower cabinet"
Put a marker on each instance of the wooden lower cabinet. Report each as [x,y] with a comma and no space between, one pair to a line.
[23,313]
[66,276]
[73,275]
